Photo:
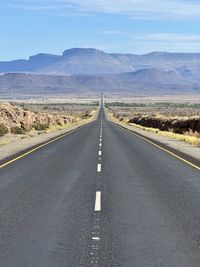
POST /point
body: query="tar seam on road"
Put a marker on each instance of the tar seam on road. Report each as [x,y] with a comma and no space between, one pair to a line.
[40,146]
[166,150]
[101,129]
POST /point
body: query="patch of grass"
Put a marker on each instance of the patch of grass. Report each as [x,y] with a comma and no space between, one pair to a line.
[40,126]
[17,130]
[3,129]
[181,137]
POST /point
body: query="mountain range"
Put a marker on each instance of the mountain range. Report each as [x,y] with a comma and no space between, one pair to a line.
[90,69]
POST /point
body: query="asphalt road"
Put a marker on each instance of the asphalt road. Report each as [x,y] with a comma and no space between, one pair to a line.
[99,196]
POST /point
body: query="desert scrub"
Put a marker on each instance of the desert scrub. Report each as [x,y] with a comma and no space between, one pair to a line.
[180,137]
[40,126]
[17,130]
[86,114]
[194,140]
[3,129]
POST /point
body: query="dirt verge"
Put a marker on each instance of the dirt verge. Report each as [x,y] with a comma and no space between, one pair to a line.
[182,146]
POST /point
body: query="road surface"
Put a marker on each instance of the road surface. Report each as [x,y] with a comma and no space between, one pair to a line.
[99,196]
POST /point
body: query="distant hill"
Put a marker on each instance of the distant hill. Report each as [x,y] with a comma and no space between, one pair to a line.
[151,76]
[143,82]
[90,69]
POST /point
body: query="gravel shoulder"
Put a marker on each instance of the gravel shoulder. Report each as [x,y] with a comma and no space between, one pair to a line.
[181,146]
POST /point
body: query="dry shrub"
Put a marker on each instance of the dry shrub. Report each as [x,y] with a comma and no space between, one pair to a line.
[3,129]
[17,130]
[40,126]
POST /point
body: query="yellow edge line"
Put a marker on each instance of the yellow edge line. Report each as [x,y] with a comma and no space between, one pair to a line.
[166,150]
[40,146]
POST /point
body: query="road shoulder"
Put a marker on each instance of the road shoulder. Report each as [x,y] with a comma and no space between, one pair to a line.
[10,150]
[181,147]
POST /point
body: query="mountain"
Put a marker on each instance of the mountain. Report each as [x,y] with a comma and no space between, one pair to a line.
[93,61]
[87,70]
[143,82]
[72,61]
[31,65]
[151,76]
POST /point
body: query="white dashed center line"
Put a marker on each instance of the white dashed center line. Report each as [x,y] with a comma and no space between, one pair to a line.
[95,231]
[99,167]
[98,201]
[95,238]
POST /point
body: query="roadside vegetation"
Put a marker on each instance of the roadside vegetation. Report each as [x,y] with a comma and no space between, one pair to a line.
[17,130]
[3,129]
[40,126]
[180,121]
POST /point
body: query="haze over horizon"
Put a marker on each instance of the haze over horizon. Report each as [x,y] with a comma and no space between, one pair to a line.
[120,26]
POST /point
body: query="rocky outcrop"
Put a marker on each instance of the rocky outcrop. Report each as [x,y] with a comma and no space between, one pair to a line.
[12,116]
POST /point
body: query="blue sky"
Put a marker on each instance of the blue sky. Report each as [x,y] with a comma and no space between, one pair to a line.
[29,27]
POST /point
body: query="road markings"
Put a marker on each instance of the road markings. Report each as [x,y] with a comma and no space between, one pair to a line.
[95,233]
[164,149]
[98,167]
[97,206]
[101,129]
[40,146]
[96,238]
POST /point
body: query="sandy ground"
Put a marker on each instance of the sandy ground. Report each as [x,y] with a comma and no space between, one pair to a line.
[181,146]
[18,144]
[53,100]
[153,99]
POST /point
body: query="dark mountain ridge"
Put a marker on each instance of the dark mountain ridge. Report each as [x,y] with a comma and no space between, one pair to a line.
[132,82]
